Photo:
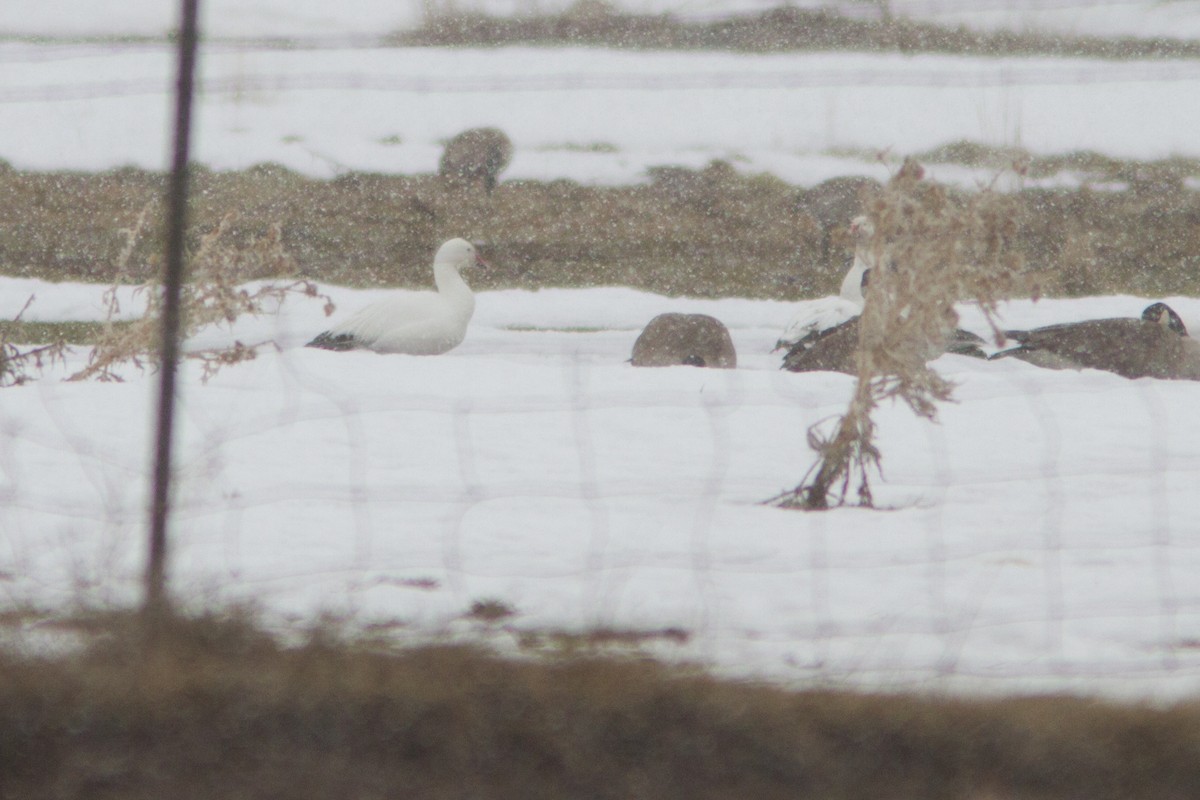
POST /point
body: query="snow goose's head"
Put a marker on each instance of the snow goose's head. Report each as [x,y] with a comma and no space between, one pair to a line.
[861,230]
[855,281]
[459,253]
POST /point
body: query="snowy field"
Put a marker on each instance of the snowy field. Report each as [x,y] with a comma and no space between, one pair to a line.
[590,115]
[1043,536]
[336,101]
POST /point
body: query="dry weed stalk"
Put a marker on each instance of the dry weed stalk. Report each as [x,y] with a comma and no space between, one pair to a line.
[212,294]
[932,251]
[15,363]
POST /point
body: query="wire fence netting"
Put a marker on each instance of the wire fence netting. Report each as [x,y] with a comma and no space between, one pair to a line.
[531,483]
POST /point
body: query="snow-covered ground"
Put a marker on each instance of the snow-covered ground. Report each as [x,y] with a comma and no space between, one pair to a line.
[337,101]
[591,115]
[1042,536]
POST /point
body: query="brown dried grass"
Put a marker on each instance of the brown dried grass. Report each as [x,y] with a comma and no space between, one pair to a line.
[17,363]
[709,232]
[596,23]
[214,292]
[215,707]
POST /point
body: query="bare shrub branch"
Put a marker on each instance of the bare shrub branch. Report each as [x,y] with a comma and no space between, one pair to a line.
[214,293]
[16,364]
[930,251]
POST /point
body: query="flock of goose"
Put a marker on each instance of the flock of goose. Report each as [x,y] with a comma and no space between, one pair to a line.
[1154,345]
[823,338]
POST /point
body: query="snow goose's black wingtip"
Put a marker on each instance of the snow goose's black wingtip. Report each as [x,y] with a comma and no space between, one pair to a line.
[333,341]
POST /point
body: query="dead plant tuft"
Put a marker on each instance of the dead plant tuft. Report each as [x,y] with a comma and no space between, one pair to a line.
[15,363]
[490,611]
[930,251]
[214,293]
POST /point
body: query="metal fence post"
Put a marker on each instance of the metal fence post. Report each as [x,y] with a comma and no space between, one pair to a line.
[177,197]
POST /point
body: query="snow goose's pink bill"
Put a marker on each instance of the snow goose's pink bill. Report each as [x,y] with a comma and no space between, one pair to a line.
[826,313]
[414,323]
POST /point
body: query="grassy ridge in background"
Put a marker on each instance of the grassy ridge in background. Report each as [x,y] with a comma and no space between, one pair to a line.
[785,29]
[710,232]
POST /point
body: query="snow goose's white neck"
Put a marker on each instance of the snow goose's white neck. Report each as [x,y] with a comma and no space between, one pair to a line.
[852,285]
[452,257]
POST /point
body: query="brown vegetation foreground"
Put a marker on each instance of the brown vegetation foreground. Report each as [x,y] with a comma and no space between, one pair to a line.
[216,708]
[709,232]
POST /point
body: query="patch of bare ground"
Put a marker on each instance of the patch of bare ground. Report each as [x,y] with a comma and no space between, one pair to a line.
[215,707]
[700,232]
[596,23]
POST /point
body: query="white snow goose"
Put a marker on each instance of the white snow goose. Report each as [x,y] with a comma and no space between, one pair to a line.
[829,312]
[830,343]
[416,323]
[1156,345]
